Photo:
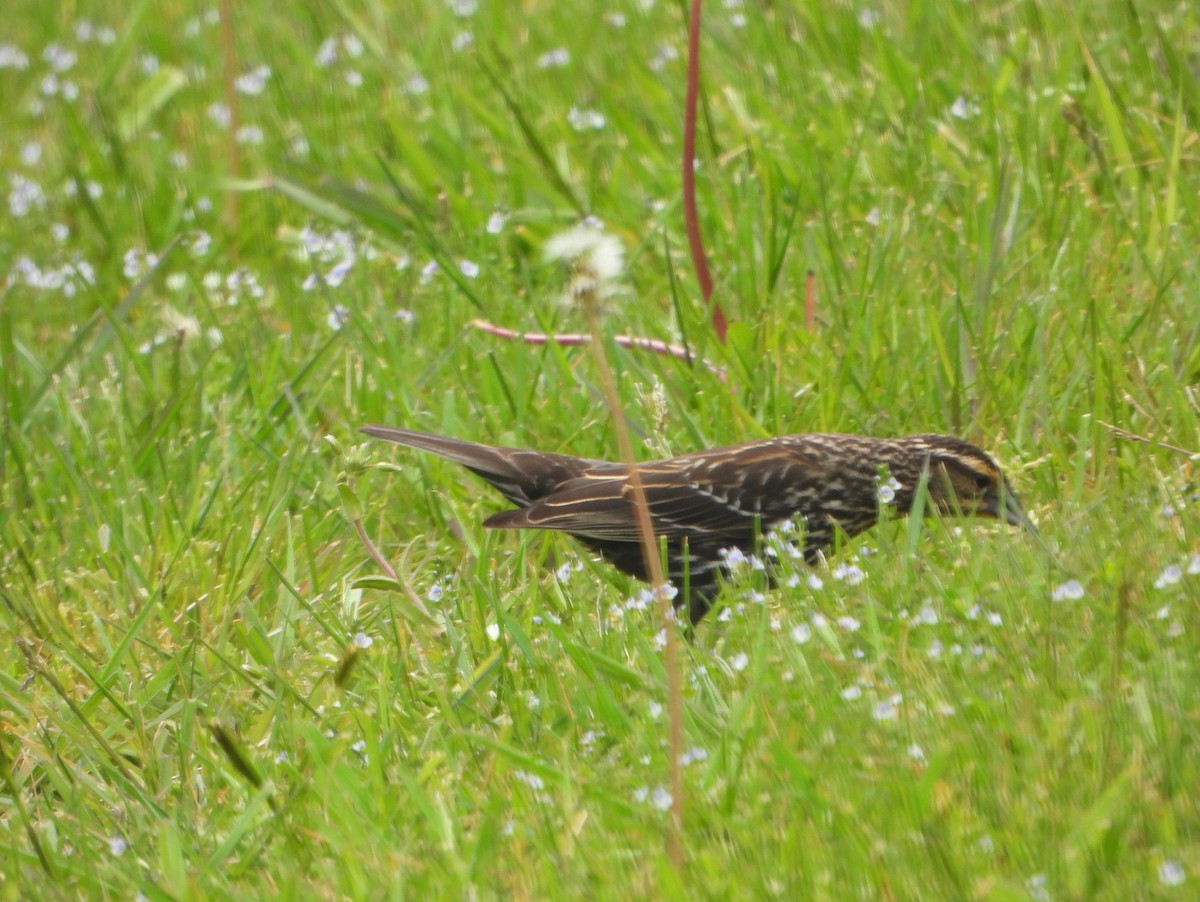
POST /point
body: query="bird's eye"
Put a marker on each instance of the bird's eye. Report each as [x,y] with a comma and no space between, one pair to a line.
[982,480]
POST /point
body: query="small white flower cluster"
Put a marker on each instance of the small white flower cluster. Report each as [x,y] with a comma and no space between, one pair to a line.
[253,82]
[1071,590]
[219,114]
[193,27]
[850,574]
[554,59]
[963,108]
[13,57]
[646,597]
[586,120]
[333,47]
[1171,873]
[927,616]
[337,248]
[665,55]
[534,782]
[232,289]
[659,797]
[1173,574]
[138,262]
[24,196]
[735,559]
[888,708]
[886,493]
[69,278]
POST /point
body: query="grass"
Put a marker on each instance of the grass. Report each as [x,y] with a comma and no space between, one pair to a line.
[210,692]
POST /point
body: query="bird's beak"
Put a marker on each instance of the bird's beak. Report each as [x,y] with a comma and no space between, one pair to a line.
[1008,509]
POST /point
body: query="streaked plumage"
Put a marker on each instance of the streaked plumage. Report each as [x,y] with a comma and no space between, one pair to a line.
[724,497]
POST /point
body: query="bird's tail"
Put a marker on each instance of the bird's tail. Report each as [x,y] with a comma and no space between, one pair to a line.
[521,476]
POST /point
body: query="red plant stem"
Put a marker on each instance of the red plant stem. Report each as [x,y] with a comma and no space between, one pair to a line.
[691,220]
[573,339]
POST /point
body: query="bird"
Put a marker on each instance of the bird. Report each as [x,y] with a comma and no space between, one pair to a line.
[709,503]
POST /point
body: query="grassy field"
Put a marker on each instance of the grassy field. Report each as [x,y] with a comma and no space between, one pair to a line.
[208,690]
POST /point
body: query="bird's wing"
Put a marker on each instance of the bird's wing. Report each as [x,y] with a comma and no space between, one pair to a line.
[697,497]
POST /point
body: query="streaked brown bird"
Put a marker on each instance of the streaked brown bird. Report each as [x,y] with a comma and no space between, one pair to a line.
[725,498]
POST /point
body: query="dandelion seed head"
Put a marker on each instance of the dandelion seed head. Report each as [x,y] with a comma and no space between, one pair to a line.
[180,325]
[590,249]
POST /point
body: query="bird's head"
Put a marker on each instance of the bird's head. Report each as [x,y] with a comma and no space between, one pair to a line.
[963,479]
